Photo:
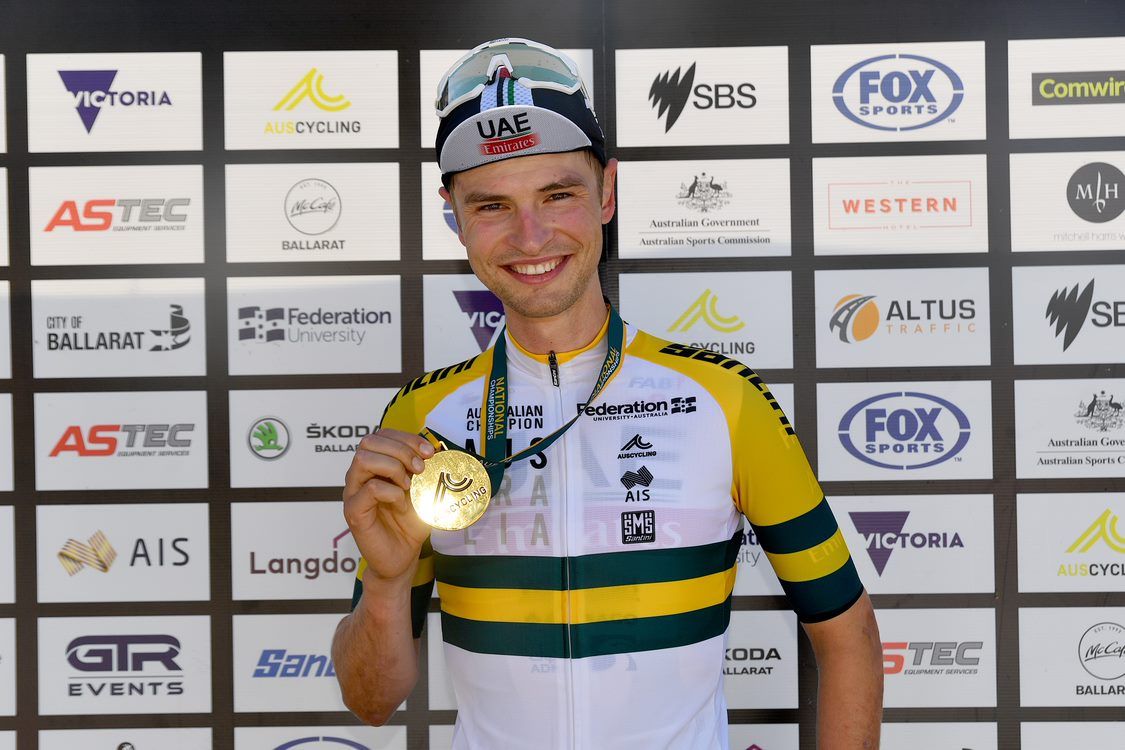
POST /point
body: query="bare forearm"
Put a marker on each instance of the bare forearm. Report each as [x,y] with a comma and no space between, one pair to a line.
[374,652]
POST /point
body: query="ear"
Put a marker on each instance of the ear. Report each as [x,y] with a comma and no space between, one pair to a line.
[609,193]
[448,198]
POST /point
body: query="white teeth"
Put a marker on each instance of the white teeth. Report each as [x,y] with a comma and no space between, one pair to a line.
[538,268]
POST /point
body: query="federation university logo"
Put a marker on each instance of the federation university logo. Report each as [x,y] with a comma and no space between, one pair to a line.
[93,89]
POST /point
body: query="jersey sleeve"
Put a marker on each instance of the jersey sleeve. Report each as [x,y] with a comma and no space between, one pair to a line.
[776,490]
[400,414]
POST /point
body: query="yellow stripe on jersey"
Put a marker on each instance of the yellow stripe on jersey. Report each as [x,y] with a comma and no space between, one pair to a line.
[815,562]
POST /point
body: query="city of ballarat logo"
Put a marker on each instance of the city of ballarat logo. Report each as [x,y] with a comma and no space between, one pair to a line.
[1101,414]
[485,311]
[176,336]
[1101,651]
[1095,192]
[92,90]
[637,447]
[638,527]
[268,438]
[124,665]
[313,207]
[750,661]
[96,553]
[882,531]
[703,194]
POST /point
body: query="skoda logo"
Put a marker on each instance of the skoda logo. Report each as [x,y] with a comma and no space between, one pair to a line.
[898,92]
[904,430]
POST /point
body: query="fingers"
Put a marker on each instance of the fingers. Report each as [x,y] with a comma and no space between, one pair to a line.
[388,454]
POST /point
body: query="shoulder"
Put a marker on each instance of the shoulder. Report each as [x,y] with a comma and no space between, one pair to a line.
[408,408]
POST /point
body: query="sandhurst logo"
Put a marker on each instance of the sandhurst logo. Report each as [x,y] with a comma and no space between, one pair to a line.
[703,194]
[855,318]
[1078,87]
[268,438]
[705,308]
[96,553]
[1101,413]
[637,447]
[1103,530]
[311,87]
[1095,193]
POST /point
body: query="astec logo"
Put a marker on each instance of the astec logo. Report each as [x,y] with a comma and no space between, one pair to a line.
[904,430]
[334,742]
[97,554]
[882,531]
[1067,311]
[136,215]
[485,311]
[945,657]
[91,91]
[705,309]
[898,92]
[670,93]
[140,440]
[268,438]
[150,660]
[1094,192]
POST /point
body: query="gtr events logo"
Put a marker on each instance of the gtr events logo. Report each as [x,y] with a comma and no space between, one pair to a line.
[97,553]
[93,89]
[118,665]
[1095,193]
[856,317]
[311,87]
[1069,309]
[904,430]
[122,215]
[485,313]
[898,92]
[705,308]
[671,91]
[883,533]
[1078,87]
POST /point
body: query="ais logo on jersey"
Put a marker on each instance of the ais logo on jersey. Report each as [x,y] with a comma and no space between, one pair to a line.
[904,430]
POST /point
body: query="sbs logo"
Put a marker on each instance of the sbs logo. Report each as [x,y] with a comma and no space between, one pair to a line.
[898,93]
[904,430]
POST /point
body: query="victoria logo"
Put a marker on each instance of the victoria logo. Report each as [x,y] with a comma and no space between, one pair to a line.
[485,311]
[703,194]
[96,553]
[1101,651]
[898,93]
[672,90]
[1101,414]
[1095,194]
[882,531]
[312,206]
[705,308]
[904,430]
[311,87]
[268,438]
[92,90]
[855,318]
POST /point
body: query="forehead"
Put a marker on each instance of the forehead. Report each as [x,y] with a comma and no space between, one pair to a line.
[526,173]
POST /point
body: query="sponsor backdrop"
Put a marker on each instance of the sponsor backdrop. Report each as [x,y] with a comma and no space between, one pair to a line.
[222,250]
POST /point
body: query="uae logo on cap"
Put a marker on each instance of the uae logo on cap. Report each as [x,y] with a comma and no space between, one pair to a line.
[506,134]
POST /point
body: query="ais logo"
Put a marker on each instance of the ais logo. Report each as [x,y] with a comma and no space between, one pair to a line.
[898,93]
[904,430]
[671,91]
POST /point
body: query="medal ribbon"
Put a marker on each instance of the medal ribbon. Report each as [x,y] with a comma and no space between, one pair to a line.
[494,406]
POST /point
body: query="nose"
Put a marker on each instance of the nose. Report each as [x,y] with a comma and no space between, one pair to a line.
[531,233]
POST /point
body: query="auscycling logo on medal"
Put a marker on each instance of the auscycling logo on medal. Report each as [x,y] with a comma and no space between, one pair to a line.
[496,404]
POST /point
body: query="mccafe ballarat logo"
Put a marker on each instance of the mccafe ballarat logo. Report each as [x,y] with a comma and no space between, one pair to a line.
[856,317]
[506,135]
[703,194]
[898,92]
[120,665]
[268,438]
[904,430]
[1101,413]
[176,336]
[121,215]
[125,440]
[1095,192]
[93,89]
[310,567]
[671,91]
[883,533]
[1068,311]
[485,313]
[1101,651]
[312,207]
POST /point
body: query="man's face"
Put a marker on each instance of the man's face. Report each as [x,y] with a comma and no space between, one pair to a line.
[532,226]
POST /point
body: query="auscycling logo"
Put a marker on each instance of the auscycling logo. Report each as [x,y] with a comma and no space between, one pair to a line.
[93,89]
[898,92]
[904,430]
[705,310]
[310,88]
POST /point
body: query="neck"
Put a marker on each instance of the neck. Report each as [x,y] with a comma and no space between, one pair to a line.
[571,329]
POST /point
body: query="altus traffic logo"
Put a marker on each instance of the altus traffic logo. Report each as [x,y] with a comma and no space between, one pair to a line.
[705,309]
[311,87]
[855,318]
[671,91]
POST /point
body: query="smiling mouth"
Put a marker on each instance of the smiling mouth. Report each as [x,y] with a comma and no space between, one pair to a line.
[536,269]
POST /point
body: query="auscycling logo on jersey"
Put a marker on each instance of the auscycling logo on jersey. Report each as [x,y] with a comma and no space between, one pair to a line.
[857,317]
[319,325]
[309,93]
[93,89]
[484,311]
[1078,87]
[637,447]
[638,409]
[898,92]
[176,336]
[309,567]
[904,430]
[883,533]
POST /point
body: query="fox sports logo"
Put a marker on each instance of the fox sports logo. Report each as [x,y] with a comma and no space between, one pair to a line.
[898,92]
[904,430]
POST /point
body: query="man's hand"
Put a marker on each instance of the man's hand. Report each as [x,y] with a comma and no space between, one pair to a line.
[377,506]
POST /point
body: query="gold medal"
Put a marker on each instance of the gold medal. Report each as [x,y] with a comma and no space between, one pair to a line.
[452,492]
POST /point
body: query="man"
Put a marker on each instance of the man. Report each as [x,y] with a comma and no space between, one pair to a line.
[588,607]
